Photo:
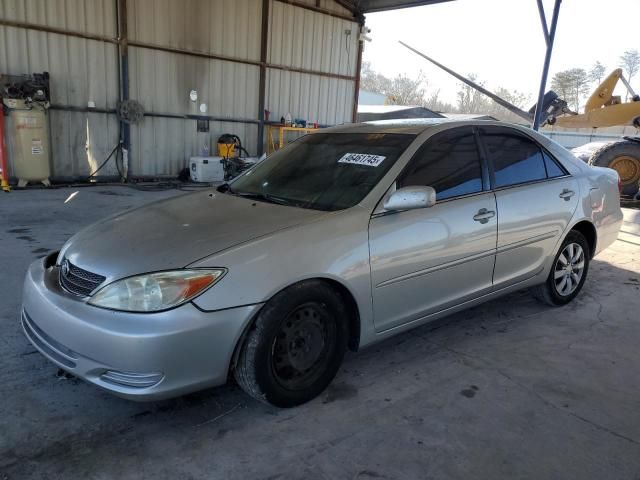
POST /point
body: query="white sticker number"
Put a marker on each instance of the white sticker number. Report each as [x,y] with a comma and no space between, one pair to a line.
[362,159]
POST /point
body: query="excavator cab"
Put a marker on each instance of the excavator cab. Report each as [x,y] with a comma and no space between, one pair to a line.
[552,107]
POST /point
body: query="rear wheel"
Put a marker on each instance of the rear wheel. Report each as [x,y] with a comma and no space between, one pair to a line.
[569,271]
[295,347]
[624,158]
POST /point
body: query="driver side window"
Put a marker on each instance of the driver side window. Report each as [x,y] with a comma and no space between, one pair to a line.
[449,162]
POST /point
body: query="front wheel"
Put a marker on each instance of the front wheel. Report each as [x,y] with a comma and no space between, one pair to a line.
[568,273]
[294,349]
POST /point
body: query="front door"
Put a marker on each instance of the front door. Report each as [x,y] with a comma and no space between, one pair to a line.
[425,260]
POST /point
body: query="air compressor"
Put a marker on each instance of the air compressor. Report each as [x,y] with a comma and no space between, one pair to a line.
[26,97]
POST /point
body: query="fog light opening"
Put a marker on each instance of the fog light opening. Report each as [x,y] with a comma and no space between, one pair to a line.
[130,379]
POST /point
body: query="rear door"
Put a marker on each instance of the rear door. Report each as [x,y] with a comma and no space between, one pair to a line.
[535,197]
[425,260]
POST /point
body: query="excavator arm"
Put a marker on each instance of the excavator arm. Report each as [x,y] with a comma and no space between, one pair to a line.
[551,108]
[603,94]
[603,109]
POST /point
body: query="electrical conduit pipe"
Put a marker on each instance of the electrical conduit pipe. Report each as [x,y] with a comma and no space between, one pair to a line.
[4,173]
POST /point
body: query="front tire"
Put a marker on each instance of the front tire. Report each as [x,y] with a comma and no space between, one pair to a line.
[294,349]
[568,273]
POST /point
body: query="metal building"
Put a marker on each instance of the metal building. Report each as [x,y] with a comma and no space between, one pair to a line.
[241,56]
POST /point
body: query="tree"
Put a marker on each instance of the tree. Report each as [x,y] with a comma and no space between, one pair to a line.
[401,90]
[571,85]
[372,80]
[561,84]
[596,74]
[408,91]
[471,100]
[434,103]
[405,90]
[580,85]
[630,62]
[514,97]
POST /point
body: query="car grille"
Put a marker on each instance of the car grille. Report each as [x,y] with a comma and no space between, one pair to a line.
[78,281]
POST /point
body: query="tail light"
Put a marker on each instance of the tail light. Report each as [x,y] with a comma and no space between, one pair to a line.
[619,184]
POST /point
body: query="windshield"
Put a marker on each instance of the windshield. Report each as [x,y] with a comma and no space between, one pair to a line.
[323,171]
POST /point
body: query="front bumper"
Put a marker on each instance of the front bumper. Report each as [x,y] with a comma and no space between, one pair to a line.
[137,356]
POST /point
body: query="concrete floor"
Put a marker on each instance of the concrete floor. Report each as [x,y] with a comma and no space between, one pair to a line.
[510,389]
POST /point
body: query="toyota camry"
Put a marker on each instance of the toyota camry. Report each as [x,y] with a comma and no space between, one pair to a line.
[341,239]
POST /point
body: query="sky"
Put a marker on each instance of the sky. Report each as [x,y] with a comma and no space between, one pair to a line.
[501,40]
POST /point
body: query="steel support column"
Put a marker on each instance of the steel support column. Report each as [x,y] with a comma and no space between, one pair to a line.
[4,155]
[262,82]
[356,84]
[549,36]
[123,50]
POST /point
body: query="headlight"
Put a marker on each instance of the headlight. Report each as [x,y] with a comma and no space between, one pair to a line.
[154,292]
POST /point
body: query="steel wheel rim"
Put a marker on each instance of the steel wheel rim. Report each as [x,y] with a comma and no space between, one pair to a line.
[627,167]
[300,352]
[569,269]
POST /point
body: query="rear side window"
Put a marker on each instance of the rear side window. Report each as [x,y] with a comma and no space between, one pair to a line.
[553,169]
[515,159]
[448,162]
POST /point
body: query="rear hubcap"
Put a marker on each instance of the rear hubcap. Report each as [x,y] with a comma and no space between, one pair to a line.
[569,269]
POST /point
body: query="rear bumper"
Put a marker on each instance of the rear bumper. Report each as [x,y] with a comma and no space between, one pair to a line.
[135,356]
[608,229]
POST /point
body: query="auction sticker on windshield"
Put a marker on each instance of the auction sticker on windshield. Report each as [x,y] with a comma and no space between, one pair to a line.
[362,159]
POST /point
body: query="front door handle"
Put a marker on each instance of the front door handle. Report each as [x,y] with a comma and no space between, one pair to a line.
[567,194]
[484,215]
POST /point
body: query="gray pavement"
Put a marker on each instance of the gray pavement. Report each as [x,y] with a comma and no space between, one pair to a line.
[510,389]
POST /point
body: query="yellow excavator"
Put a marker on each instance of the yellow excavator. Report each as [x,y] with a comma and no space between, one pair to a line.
[603,109]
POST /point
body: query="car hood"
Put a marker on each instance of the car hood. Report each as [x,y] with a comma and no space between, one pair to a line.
[176,232]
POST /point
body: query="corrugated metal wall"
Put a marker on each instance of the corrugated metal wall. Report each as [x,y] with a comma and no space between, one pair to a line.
[309,40]
[170,50]
[80,69]
[162,80]
[329,5]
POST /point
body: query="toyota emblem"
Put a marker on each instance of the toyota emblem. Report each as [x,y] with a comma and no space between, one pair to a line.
[65,267]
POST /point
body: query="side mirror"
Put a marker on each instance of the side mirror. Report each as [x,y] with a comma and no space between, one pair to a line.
[410,198]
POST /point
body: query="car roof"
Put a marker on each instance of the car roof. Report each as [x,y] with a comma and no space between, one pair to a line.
[413,126]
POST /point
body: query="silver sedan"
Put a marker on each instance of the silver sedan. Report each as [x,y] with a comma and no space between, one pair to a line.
[344,238]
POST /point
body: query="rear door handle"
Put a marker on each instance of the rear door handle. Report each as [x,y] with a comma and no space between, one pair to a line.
[484,215]
[567,194]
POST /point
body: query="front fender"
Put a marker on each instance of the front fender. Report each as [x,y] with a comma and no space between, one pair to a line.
[335,247]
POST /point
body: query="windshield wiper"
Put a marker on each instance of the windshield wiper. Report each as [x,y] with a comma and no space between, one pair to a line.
[265,197]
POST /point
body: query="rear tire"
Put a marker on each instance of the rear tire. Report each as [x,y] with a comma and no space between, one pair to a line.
[296,345]
[623,157]
[568,272]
